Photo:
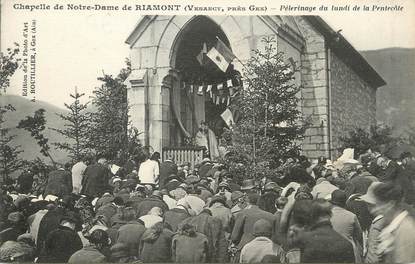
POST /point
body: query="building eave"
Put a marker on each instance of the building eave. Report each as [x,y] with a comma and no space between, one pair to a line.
[141,26]
[345,51]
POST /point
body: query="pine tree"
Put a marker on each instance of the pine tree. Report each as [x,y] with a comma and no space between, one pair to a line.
[36,125]
[77,125]
[109,130]
[270,126]
[9,154]
[9,63]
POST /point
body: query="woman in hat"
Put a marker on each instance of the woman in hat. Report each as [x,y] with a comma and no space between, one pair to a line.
[396,240]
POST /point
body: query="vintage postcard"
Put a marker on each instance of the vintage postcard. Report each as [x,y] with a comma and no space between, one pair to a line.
[253,88]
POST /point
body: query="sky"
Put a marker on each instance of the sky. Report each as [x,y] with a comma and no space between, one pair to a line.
[73,49]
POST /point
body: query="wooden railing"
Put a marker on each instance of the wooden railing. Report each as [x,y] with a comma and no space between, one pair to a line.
[182,155]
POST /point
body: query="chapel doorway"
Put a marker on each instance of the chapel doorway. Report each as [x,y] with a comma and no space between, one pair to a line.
[201,91]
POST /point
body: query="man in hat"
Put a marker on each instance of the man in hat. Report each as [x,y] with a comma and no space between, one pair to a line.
[248,185]
[17,227]
[62,242]
[261,245]
[167,168]
[346,223]
[242,231]
[267,200]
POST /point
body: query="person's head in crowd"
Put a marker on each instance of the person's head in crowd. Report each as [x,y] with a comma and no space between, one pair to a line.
[155,156]
[16,219]
[304,162]
[253,198]
[116,182]
[262,228]
[187,229]
[149,189]
[301,212]
[158,194]
[238,198]
[156,211]
[382,161]
[101,159]
[272,187]
[118,201]
[303,193]
[384,199]
[280,202]
[218,199]
[67,166]
[101,220]
[69,220]
[405,157]
[223,187]
[320,211]
[193,190]
[99,238]
[339,198]
[178,193]
[128,214]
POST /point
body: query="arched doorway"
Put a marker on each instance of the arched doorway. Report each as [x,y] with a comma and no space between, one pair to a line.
[195,91]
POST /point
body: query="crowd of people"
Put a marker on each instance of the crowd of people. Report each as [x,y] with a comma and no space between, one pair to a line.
[355,209]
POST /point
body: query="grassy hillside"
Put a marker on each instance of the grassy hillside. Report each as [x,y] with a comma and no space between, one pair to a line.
[24,108]
[396,100]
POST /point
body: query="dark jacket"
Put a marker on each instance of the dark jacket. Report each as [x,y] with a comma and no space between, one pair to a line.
[96,180]
[11,233]
[59,183]
[324,245]
[89,254]
[50,221]
[156,239]
[212,228]
[174,217]
[148,203]
[189,249]
[242,231]
[25,182]
[267,201]
[130,234]
[60,245]
[166,169]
